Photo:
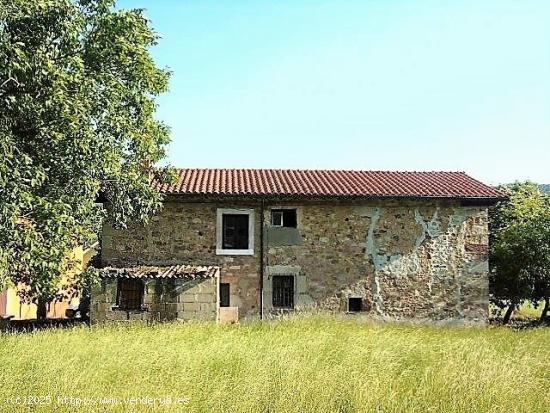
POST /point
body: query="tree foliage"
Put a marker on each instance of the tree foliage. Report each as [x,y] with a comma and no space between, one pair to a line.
[77,104]
[520,247]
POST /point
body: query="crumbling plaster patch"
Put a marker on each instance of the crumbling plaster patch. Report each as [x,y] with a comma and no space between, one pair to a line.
[437,256]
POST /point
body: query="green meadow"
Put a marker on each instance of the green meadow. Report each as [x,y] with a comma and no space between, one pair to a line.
[302,364]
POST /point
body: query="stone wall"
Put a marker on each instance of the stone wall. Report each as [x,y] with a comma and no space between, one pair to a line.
[423,259]
[163,300]
[185,233]
[405,260]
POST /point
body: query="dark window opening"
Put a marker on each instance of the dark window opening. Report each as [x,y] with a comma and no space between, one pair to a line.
[355,304]
[283,291]
[129,294]
[235,232]
[284,218]
[224,294]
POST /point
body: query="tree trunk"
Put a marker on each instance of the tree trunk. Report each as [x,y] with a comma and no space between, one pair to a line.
[546,309]
[41,310]
[509,312]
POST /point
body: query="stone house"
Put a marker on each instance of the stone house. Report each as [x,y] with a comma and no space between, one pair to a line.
[395,245]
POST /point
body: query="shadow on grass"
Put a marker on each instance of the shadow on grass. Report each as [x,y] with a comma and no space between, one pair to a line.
[520,323]
[28,326]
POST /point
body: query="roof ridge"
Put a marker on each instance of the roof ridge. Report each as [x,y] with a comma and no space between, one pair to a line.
[322,170]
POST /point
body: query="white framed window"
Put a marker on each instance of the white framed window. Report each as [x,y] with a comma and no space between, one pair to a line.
[235,231]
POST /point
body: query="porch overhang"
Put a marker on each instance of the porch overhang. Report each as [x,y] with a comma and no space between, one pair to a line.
[187,272]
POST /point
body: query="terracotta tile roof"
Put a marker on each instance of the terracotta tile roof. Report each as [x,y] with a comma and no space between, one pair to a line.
[328,183]
[172,271]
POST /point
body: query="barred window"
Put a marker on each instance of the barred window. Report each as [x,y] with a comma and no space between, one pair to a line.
[129,294]
[283,291]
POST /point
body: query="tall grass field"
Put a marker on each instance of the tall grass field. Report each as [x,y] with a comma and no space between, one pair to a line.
[307,364]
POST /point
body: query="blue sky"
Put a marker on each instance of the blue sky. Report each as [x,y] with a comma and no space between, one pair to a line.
[387,84]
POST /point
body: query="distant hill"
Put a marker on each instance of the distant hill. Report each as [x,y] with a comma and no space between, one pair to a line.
[545,188]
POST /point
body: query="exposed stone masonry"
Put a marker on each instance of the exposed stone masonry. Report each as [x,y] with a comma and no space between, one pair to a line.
[163,300]
[185,233]
[405,259]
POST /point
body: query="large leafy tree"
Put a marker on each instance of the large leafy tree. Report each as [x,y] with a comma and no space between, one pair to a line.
[77,104]
[540,260]
[520,248]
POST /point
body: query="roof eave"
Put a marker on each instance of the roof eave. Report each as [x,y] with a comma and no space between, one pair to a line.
[480,200]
